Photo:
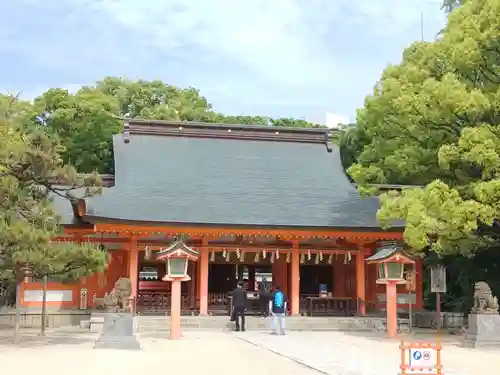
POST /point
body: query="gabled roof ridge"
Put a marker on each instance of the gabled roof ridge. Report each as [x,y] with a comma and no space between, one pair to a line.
[225,131]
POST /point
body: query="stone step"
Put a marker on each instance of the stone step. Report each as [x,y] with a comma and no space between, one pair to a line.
[155,324]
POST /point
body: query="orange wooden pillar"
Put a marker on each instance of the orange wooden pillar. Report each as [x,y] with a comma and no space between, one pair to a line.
[192,284]
[295,280]
[279,269]
[339,279]
[392,308]
[175,310]
[133,267]
[203,280]
[361,283]
[197,271]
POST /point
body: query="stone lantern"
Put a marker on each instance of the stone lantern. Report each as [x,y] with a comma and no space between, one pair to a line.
[391,260]
[176,258]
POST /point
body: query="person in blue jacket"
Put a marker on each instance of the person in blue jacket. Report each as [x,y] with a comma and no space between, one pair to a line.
[277,309]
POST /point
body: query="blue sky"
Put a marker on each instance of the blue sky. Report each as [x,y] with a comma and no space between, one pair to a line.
[290,58]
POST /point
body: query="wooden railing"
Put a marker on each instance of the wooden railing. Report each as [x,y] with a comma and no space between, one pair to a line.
[152,301]
[327,306]
[218,301]
[158,301]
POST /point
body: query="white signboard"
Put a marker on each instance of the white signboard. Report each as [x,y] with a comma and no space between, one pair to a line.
[52,296]
[422,359]
[438,280]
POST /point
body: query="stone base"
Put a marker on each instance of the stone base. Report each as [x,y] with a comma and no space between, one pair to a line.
[96,322]
[474,344]
[118,332]
[127,343]
[484,331]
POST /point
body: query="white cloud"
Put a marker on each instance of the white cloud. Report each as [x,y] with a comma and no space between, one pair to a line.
[269,37]
[283,41]
[334,120]
[301,56]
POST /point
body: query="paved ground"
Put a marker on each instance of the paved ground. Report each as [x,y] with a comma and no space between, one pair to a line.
[332,353]
[336,353]
[198,353]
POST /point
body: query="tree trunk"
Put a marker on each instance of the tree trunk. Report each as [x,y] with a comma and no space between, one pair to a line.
[17,318]
[44,305]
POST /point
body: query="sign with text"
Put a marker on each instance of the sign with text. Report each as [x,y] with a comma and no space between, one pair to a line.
[438,280]
[420,358]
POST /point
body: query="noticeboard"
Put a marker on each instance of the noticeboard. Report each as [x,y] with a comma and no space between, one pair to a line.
[421,358]
[438,280]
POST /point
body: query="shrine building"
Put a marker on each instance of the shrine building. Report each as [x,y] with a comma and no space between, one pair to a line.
[259,203]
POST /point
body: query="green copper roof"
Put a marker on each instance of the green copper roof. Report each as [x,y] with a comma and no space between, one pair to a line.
[386,250]
[177,245]
[383,254]
[228,181]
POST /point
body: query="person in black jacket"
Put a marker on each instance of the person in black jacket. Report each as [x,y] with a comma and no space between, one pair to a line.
[264,297]
[239,295]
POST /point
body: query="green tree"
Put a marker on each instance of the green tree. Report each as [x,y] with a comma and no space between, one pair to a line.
[31,172]
[156,100]
[245,120]
[12,107]
[65,262]
[351,140]
[294,123]
[434,120]
[84,122]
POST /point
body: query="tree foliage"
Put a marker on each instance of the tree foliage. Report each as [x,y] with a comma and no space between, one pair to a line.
[31,172]
[84,122]
[434,120]
[351,140]
[294,123]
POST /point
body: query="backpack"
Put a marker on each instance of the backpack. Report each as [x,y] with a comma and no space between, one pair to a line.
[279,300]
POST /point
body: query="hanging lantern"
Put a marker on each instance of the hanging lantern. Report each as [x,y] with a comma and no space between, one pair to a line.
[272,257]
[302,258]
[224,253]
[320,256]
[238,253]
[330,258]
[212,256]
[264,254]
[349,256]
[288,257]
[316,259]
[277,253]
[308,254]
[257,257]
[228,256]
[242,257]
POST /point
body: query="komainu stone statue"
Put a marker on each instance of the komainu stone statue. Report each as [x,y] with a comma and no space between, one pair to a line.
[118,300]
[484,301]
